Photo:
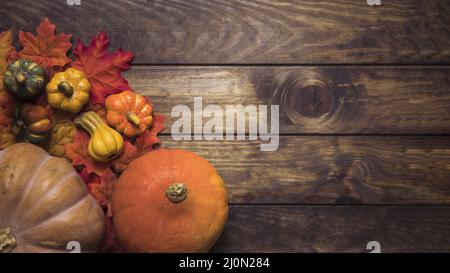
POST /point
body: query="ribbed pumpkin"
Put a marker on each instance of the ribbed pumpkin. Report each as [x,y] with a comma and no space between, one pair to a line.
[24,78]
[44,204]
[129,113]
[169,200]
[68,90]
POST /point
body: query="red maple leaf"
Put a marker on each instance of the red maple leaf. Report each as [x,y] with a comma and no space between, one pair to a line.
[13,56]
[101,188]
[45,49]
[84,175]
[129,154]
[147,141]
[103,69]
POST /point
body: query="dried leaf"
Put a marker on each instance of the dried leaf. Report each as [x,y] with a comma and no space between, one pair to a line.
[111,243]
[7,138]
[103,69]
[62,133]
[101,190]
[147,141]
[84,175]
[45,49]
[102,186]
[129,154]
[100,110]
[8,104]
[13,56]
[5,49]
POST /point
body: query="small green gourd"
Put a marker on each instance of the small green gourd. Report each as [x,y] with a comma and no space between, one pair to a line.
[24,78]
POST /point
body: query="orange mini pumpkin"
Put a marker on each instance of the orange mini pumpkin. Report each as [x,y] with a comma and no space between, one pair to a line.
[169,200]
[129,113]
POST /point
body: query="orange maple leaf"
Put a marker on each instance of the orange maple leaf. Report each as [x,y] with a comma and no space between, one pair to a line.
[103,69]
[45,49]
[5,49]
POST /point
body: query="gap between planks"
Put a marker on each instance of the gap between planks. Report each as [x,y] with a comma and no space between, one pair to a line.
[200,65]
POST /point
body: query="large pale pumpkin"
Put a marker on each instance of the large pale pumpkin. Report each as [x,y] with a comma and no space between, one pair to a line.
[169,200]
[44,204]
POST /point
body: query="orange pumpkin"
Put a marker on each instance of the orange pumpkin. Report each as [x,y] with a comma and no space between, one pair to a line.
[129,113]
[169,200]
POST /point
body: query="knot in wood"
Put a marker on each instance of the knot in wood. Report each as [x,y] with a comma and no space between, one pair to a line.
[313,98]
[307,95]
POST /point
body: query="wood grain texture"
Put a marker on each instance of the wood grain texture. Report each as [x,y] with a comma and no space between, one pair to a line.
[262,31]
[332,169]
[320,100]
[327,193]
[335,229]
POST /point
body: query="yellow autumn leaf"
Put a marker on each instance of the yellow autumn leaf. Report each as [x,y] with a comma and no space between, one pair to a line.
[62,133]
[7,101]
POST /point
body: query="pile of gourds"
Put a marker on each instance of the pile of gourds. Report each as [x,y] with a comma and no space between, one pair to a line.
[127,113]
[167,200]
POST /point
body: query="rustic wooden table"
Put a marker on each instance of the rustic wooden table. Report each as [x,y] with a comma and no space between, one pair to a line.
[364,95]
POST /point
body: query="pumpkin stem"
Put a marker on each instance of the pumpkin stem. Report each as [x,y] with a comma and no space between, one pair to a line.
[65,88]
[7,240]
[176,192]
[20,77]
[133,118]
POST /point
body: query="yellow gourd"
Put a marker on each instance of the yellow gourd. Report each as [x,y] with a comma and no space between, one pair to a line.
[68,90]
[105,143]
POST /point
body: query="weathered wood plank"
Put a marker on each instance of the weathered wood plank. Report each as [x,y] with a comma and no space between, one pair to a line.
[332,169]
[263,31]
[389,100]
[335,229]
